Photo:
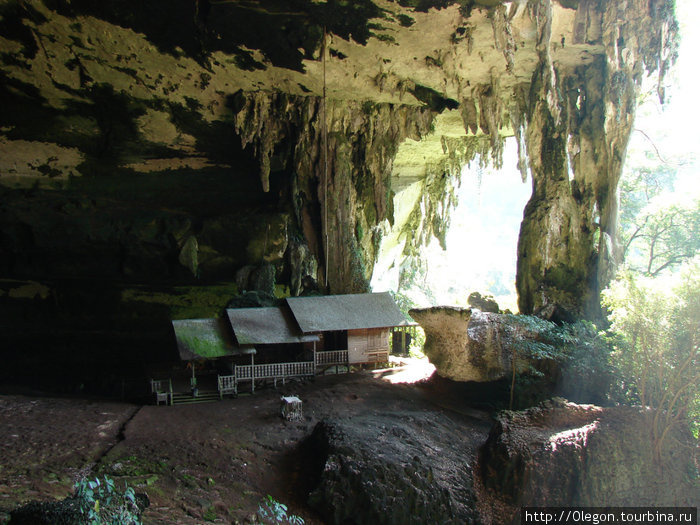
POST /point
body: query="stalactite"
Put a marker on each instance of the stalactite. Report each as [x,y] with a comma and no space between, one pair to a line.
[431,215]
[503,35]
[572,126]
[362,141]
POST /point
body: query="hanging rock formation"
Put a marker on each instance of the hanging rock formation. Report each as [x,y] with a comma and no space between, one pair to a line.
[340,184]
[577,125]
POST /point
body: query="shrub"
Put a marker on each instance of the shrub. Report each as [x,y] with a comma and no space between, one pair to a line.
[658,323]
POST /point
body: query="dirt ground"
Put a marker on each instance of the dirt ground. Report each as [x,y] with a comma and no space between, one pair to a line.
[205,463]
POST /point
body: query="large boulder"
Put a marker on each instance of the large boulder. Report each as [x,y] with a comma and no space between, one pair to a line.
[406,470]
[469,345]
[563,454]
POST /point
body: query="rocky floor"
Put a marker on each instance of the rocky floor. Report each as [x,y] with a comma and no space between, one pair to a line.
[215,462]
[368,449]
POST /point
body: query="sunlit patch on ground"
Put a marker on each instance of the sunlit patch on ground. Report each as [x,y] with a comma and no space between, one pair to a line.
[576,437]
[406,370]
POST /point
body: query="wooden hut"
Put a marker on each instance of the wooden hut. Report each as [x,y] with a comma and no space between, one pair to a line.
[282,350]
[358,323]
[304,336]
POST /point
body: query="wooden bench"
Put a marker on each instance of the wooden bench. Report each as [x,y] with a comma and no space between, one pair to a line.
[161,394]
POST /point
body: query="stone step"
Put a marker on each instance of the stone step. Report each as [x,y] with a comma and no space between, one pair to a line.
[188,399]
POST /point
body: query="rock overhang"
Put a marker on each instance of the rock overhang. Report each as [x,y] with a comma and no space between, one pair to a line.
[166,116]
[377,50]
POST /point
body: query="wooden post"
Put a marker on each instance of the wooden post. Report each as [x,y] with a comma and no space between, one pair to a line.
[252,373]
[193,382]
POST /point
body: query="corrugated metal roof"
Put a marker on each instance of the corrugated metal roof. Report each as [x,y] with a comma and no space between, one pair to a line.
[346,312]
[206,339]
[265,326]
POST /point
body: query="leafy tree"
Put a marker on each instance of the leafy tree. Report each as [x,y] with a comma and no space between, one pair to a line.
[665,235]
[638,187]
[658,229]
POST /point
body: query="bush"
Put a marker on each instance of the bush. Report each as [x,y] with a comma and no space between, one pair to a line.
[272,511]
[101,503]
[569,359]
[96,502]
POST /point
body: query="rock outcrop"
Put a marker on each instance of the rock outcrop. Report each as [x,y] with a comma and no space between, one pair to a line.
[562,454]
[469,345]
[485,303]
[415,467]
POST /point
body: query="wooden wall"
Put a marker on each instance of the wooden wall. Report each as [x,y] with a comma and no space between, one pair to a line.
[368,346]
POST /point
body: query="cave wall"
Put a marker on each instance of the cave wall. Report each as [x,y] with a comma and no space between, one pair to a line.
[145,176]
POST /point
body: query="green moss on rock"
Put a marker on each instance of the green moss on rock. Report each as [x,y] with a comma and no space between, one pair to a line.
[185,302]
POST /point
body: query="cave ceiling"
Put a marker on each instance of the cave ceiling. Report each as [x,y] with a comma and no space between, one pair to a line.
[64,58]
[148,141]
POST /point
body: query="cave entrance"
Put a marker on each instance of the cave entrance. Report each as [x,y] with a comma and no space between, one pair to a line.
[481,240]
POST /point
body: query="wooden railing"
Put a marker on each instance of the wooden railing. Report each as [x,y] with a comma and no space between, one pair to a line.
[332,357]
[274,370]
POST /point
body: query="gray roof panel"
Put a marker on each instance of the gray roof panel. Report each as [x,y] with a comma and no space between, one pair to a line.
[346,312]
[264,326]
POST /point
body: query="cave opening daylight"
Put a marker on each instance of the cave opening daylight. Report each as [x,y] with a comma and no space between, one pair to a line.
[481,241]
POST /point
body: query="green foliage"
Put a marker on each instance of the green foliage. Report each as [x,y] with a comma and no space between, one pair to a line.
[272,511]
[657,351]
[571,359]
[404,302]
[588,374]
[101,503]
[417,343]
[666,235]
[544,339]
[210,514]
[415,348]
